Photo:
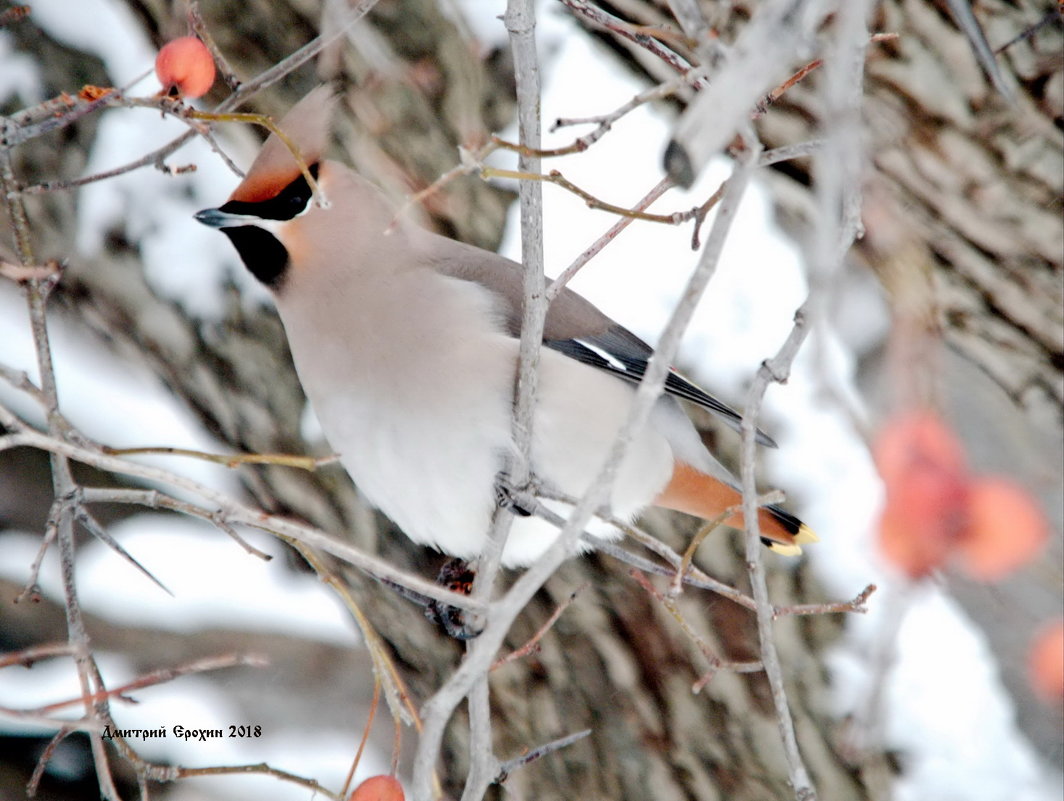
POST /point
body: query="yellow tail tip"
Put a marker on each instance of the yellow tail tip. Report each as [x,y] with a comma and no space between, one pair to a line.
[805,536]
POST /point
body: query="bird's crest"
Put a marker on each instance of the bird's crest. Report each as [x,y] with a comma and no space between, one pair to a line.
[307,126]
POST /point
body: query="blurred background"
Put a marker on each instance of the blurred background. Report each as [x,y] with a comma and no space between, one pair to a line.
[953,296]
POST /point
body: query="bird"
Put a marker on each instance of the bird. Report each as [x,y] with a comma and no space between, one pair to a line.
[406,344]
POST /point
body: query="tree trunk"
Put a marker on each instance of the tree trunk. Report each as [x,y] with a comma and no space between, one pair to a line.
[974,184]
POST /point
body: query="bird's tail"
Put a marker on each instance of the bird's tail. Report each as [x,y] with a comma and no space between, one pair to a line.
[696,493]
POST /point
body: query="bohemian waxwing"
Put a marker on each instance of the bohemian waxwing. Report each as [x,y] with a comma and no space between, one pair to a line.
[406,344]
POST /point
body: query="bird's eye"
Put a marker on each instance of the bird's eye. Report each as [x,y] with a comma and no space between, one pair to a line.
[287,204]
[294,199]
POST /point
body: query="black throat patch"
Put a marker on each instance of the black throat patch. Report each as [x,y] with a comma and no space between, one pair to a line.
[262,252]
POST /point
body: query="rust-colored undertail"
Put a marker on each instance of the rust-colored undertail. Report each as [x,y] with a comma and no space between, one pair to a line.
[695,493]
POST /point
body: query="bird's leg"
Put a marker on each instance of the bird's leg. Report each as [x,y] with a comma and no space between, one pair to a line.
[506,494]
[457,576]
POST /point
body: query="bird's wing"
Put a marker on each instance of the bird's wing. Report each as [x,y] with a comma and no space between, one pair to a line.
[574,326]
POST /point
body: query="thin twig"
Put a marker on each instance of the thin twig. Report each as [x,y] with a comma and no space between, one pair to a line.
[855,604]
[90,524]
[31,590]
[45,758]
[236,513]
[473,161]
[21,273]
[604,122]
[532,645]
[788,152]
[555,177]
[603,20]
[35,653]
[692,577]
[395,692]
[231,460]
[161,676]
[37,292]
[246,90]
[716,664]
[1050,17]
[364,737]
[566,275]
[20,381]
[775,369]
[509,766]
[837,179]
[258,768]
[199,27]
[707,528]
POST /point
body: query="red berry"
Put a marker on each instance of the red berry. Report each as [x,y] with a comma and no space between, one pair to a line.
[1006,530]
[185,65]
[378,788]
[1047,663]
[926,481]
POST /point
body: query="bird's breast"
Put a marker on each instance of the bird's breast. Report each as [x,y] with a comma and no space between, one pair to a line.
[412,381]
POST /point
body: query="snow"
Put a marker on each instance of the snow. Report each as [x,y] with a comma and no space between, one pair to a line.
[111,400]
[182,259]
[215,583]
[20,76]
[197,703]
[946,712]
[105,28]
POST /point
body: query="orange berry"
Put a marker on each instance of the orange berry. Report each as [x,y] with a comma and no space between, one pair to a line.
[1006,529]
[185,65]
[1047,663]
[378,788]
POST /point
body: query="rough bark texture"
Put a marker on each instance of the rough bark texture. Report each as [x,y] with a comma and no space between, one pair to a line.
[975,185]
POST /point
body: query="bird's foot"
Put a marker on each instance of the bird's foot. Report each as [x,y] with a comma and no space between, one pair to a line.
[457,576]
[507,495]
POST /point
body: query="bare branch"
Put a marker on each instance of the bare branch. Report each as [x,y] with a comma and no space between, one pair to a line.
[21,273]
[775,369]
[28,656]
[532,645]
[236,513]
[558,284]
[764,49]
[603,20]
[90,524]
[520,21]
[243,92]
[199,27]
[309,463]
[161,676]
[716,664]
[174,773]
[508,767]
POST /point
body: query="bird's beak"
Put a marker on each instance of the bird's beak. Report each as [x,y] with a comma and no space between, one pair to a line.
[216,218]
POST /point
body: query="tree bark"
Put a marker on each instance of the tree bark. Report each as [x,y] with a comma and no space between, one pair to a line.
[976,186]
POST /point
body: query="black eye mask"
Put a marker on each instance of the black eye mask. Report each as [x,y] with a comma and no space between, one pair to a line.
[290,202]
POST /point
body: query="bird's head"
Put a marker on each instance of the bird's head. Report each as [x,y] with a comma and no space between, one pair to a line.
[274,192]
